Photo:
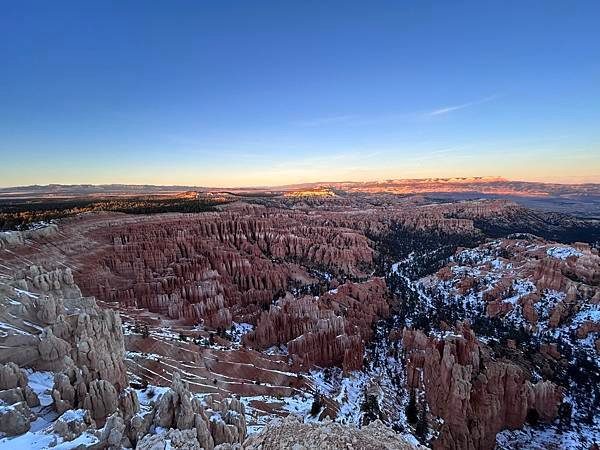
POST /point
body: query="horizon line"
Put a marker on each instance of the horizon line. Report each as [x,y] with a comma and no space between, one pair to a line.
[473,179]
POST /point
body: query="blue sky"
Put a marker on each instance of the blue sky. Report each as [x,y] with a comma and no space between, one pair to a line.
[234,93]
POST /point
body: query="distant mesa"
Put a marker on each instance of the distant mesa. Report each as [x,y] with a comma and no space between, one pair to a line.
[579,199]
[320,191]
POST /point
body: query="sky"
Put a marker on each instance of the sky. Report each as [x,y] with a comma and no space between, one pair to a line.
[242,93]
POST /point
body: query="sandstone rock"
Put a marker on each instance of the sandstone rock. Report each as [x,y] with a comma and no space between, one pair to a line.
[102,399]
[15,419]
[128,403]
[139,425]
[11,376]
[550,350]
[176,439]
[291,434]
[16,395]
[113,435]
[52,349]
[475,395]
[63,393]
[12,396]
[224,423]
[586,328]
[72,424]
[326,331]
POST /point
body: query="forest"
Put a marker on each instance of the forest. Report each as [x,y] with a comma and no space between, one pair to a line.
[22,214]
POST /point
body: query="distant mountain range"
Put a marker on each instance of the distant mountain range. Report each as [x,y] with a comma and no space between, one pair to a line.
[580,199]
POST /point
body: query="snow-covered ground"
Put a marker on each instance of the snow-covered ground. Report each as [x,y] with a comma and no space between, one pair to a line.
[563,252]
[41,436]
[238,330]
[44,439]
[490,270]
[547,437]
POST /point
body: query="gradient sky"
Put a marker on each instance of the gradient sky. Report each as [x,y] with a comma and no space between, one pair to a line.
[244,93]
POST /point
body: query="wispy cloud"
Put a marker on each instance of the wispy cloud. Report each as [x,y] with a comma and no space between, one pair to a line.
[320,121]
[354,119]
[449,109]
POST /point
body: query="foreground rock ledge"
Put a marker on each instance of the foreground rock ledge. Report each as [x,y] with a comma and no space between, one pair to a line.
[291,434]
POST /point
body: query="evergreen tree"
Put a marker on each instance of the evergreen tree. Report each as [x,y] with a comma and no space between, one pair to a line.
[411,409]
[316,405]
[422,426]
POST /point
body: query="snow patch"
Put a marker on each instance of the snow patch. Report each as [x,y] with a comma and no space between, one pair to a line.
[563,252]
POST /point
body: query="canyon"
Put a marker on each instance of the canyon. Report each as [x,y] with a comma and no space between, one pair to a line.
[210,327]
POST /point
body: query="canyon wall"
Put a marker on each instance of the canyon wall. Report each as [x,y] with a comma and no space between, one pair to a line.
[474,393]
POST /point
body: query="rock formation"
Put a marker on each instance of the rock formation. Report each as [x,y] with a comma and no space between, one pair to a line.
[16,399]
[291,434]
[184,418]
[326,331]
[548,285]
[47,325]
[296,273]
[474,393]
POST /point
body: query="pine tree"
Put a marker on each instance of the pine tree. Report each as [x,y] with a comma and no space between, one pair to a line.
[422,426]
[411,409]
[316,405]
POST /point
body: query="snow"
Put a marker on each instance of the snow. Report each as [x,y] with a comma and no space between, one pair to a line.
[590,313]
[150,395]
[43,440]
[521,288]
[490,269]
[73,415]
[563,252]
[351,396]
[298,405]
[277,350]
[42,383]
[238,330]
[544,438]
[27,293]
[10,328]
[142,355]
[216,417]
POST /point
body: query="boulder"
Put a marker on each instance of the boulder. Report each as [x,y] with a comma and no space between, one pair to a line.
[72,423]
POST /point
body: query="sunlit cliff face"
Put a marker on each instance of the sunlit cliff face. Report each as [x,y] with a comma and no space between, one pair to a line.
[483,185]
[318,192]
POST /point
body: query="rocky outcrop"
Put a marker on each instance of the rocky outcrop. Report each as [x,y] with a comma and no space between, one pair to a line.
[216,267]
[16,238]
[185,418]
[173,439]
[51,327]
[291,434]
[586,328]
[210,267]
[212,423]
[12,376]
[326,331]
[71,424]
[15,418]
[254,265]
[16,399]
[474,393]
[58,327]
